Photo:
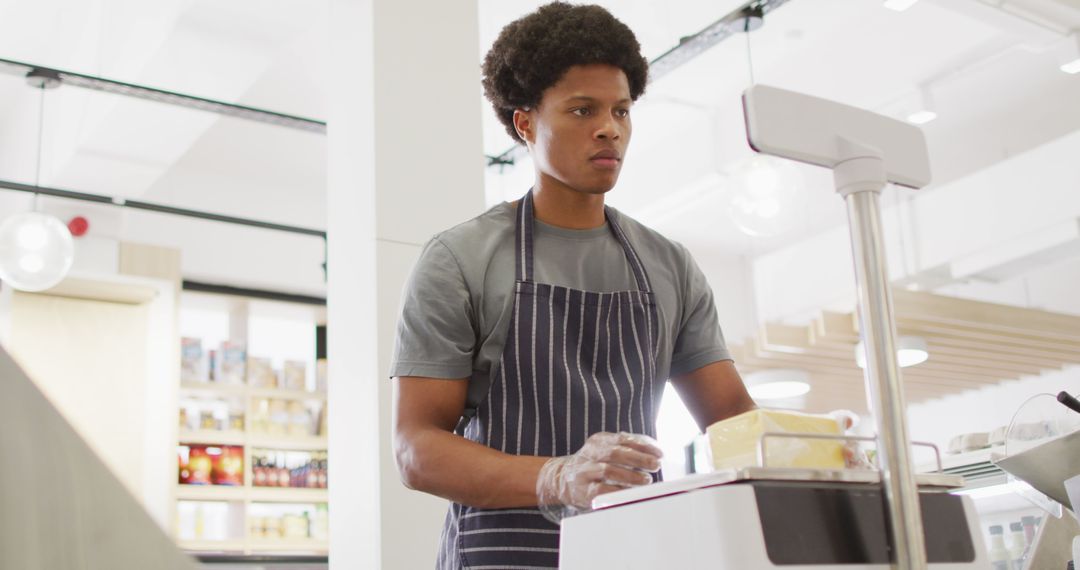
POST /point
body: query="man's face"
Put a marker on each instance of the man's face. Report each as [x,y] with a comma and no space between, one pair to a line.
[579,132]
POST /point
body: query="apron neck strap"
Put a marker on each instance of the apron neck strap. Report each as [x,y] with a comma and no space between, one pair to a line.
[523,241]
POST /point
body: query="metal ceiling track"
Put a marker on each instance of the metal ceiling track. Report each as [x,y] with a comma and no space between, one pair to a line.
[20,69]
[746,18]
[159,208]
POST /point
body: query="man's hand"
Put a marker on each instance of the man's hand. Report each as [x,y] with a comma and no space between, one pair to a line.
[607,462]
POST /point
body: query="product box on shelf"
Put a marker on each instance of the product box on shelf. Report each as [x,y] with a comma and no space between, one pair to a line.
[211,465]
[230,363]
[295,375]
[193,367]
[260,373]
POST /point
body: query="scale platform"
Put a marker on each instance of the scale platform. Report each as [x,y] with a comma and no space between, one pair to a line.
[751,518]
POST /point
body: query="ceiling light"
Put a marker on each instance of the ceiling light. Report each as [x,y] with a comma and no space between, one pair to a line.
[921,117]
[764,202]
[910,351]
[1072,68]
[36,251]
[899,5]
[779,384]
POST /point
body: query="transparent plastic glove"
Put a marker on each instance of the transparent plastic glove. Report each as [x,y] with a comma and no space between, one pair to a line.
[607,462]
[854,456]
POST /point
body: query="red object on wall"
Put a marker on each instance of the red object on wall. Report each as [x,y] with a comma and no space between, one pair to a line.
[78,226]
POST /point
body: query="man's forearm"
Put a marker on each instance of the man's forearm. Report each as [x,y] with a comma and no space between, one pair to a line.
[445,464]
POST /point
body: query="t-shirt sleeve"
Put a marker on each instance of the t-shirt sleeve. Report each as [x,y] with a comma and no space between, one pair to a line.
[436,329]
[699,340]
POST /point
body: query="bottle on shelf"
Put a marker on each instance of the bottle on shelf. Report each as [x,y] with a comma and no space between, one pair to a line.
[1028,522]
[999,555]
[258,473]
[311,473]
[1017,545]
[323,472]
[283,475]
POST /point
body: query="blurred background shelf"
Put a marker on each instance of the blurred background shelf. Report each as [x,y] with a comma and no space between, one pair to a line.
[311,443]
[228,437]
[288,545]
[288,495]
[211,493]
[213,545]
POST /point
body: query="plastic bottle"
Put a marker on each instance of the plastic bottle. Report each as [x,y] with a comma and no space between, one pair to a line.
[1028,523]
[999,555]
[1017,546]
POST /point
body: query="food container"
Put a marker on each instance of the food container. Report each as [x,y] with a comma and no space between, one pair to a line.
[735,442]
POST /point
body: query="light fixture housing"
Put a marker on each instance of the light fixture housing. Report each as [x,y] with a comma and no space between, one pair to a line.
[36,251]
[779,384]
[910,351]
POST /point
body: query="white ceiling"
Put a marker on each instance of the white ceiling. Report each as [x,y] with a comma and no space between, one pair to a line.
[993,77]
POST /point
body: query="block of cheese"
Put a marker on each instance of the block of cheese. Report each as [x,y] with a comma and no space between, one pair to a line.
[734,441]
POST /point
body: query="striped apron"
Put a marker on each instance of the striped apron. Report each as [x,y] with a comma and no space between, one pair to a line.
[575,363]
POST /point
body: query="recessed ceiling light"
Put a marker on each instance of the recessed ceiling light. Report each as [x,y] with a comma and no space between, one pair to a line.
[1073,67]
[899,5]
[777,384]
[910,351]
[921,117]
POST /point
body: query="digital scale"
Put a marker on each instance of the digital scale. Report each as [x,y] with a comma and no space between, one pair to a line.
[746,519]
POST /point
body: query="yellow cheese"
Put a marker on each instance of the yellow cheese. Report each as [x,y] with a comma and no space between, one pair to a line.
[734,441]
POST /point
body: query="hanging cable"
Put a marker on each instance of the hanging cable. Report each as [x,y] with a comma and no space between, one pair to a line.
[40,147]
[753,17]
[749,53]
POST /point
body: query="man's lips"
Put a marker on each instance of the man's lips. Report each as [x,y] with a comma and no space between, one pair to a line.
[608,159]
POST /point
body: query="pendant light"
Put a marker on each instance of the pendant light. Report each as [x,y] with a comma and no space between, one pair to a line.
[910,351]
[36,249]
[766,189]
[777,384]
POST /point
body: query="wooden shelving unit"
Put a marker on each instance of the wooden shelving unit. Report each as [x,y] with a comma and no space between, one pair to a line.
[243,496]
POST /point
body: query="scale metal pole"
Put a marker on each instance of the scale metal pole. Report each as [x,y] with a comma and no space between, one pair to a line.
[860,181]
[865,150]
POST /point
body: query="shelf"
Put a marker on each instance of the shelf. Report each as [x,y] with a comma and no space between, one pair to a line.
[288,545]
[288,495]
[286,443]
[228,437]
[214,388]
[235,390]
[282,394]
[210,493]
[212,545]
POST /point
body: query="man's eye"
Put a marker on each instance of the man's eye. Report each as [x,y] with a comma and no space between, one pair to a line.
[622,113]
[582,111]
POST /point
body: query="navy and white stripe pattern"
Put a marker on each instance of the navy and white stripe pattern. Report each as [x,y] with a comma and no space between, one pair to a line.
[575,363]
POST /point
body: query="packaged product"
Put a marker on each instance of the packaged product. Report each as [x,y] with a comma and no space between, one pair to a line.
[734,442]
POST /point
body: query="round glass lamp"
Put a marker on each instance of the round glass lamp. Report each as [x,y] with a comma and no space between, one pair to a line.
[36,251]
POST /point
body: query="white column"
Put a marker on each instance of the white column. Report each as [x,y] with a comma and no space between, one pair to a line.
[405,161]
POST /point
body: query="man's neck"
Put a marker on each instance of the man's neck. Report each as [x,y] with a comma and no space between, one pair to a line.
[558,205]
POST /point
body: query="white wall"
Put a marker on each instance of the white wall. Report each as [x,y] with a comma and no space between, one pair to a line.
[986,409]
[396,177]
[982,214]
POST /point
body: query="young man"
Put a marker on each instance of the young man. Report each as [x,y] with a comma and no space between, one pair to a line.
[545,329]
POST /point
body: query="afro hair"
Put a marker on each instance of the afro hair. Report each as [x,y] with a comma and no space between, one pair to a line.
[534,52]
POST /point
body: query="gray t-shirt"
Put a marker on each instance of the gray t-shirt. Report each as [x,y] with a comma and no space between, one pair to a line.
[458,301]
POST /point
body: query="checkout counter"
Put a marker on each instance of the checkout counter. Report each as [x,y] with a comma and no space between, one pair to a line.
[817,519]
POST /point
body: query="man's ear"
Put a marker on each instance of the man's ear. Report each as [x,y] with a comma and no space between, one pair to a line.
[523,124]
